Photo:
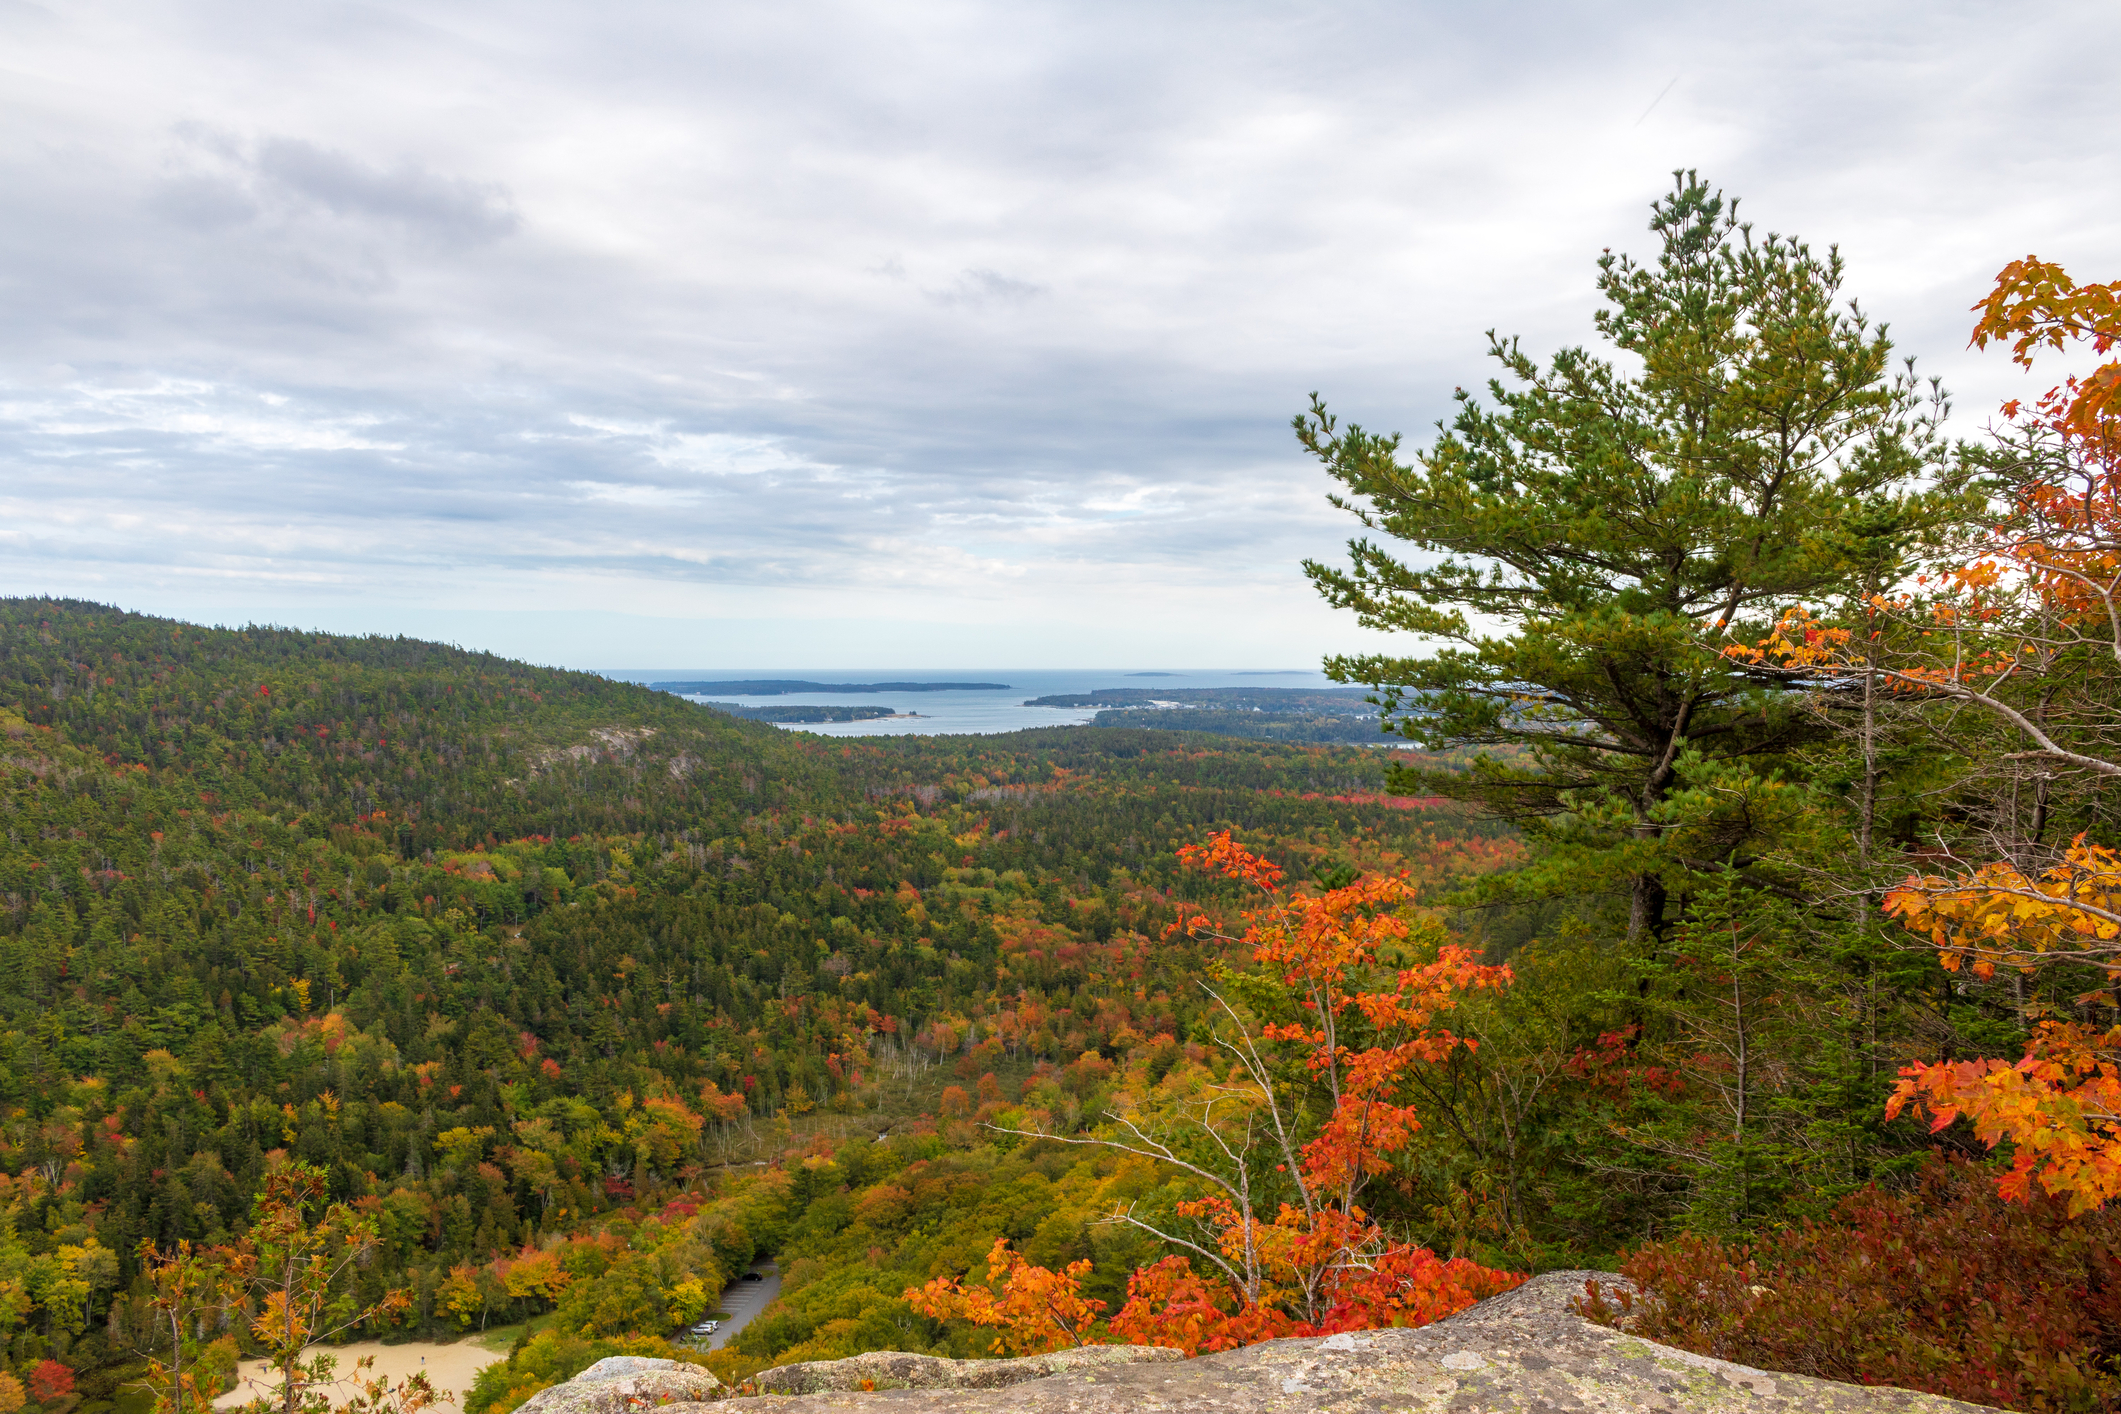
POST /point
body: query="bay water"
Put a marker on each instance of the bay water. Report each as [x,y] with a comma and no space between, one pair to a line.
[977,711]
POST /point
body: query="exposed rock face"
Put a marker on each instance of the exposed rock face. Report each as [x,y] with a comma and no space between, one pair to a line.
[893,1369]
[624,1383]
[1522,1351]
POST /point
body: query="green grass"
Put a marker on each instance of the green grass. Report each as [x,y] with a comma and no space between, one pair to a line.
[504,1338]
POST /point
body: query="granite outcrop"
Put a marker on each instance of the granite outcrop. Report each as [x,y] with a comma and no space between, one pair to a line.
[621,1384]
[1525,1350]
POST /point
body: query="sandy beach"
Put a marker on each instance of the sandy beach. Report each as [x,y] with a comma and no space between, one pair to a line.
[451,1367]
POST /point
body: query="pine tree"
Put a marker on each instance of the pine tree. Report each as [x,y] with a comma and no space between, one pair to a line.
[1609,523]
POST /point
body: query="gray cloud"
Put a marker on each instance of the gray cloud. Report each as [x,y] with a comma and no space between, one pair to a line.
[200,202]
[977,315]
[986,287]
[451,209]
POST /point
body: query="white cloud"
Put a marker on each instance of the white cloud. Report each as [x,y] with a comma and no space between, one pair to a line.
[943,313]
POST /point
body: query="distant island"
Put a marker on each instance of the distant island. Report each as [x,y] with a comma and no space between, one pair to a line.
[1310,715]
[809,712]
[1346,700]
[777,687]
[1155,675]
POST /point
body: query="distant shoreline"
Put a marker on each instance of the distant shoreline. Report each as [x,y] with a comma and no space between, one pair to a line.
[801,713]
[780,687]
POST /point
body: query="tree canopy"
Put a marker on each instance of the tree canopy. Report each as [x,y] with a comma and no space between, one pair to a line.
[1580,546]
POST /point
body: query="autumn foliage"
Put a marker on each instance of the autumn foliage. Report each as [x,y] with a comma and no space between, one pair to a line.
[2059,1104]
[50,1380]
[1314,1262]
[1320,1263]
[1946,1288]
[2035,305]
[1035,1310]
[2025,629]
[1168,1303]
[2060,551]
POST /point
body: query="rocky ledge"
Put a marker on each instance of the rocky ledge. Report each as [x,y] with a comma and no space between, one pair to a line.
[894,1369]
[624,1383]
[1526,1350]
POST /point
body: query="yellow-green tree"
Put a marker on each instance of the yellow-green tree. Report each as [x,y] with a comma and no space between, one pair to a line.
[188,1288]
[292,1270]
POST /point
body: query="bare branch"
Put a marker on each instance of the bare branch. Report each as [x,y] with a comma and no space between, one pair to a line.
[1126,1215]
[2048,748]
[1155,1150]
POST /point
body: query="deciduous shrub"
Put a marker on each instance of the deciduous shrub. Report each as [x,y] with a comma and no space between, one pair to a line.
[1946,1288]
[50,1380]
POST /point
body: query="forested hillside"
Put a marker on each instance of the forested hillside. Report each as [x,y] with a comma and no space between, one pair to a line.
[501,948]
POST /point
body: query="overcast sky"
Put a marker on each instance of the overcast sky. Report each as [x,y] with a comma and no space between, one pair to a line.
[898,335]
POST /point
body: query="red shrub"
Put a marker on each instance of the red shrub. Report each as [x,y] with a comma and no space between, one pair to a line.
[50,1380]
[1947,1289]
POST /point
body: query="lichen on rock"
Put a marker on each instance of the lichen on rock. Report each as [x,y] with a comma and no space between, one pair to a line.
[895,1369]
[621,1384]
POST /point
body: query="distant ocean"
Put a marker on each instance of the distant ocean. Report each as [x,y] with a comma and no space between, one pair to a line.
[948,713]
